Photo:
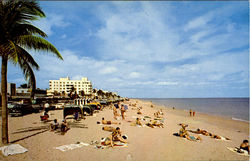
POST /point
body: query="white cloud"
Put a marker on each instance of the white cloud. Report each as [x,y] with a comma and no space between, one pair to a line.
[134,75]
[145,50]
[52,20]
[108,70]
[167,83]
[200,21]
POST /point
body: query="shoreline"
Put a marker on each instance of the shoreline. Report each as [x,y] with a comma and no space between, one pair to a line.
[206,117]
[144,143]
[197,111]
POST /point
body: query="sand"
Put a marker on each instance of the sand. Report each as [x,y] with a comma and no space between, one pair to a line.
[145,144]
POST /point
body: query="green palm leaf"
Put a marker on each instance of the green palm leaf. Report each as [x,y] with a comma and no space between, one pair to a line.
[37,43]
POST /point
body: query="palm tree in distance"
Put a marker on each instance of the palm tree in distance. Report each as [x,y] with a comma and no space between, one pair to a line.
[17,34]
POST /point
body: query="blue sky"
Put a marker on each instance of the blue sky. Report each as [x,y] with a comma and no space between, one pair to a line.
[147,49]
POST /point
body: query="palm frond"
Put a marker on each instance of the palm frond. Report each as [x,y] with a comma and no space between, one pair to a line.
[28,29]
[37,43]
[16,52]
[28,72]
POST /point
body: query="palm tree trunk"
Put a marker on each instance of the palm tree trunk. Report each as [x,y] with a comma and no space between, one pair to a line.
[5,138]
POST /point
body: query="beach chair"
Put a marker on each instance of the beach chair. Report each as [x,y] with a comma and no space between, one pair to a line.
[44,118]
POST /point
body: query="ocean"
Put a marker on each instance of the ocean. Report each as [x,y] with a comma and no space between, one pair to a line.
[235,108]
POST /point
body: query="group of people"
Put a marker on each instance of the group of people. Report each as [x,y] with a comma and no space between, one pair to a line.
[55,125]
[116,135]
[191,112]
[159,114]
[183,133]
[122,109]
[63,127]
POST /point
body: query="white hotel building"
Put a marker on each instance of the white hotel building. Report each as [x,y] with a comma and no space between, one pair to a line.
[65,84]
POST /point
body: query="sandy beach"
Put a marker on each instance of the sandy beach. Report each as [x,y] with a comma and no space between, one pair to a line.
[144,143]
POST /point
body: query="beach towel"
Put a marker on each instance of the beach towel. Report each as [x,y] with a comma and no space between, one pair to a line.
[71,146]
[236,150]
[223,139]
[13,149]
[118,144]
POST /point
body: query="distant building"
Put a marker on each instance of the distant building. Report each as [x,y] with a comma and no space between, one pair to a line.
[64,85]
[23,91]
[11,89]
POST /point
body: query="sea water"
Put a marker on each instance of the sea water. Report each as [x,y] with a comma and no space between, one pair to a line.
[235,108]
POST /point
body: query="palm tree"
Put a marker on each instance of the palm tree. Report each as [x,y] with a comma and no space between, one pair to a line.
[82,93]
[17,34]
[72,90]
[100,93]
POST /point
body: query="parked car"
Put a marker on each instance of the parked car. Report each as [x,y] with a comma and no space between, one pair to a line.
[88,110]
[21,109]
[95,105]
[71,109]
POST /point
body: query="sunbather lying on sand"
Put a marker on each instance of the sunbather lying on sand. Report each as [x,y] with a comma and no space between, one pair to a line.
[153,123]
[156,123]
[108,128]
[204,132]
[200,131]
[107,122]
[150,125]
[218,137]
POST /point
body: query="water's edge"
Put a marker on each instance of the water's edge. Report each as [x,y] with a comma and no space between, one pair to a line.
[234,108]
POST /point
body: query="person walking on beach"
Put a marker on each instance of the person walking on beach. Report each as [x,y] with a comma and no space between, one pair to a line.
[122,111]
[190,112]
[115,112]
[193,113]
